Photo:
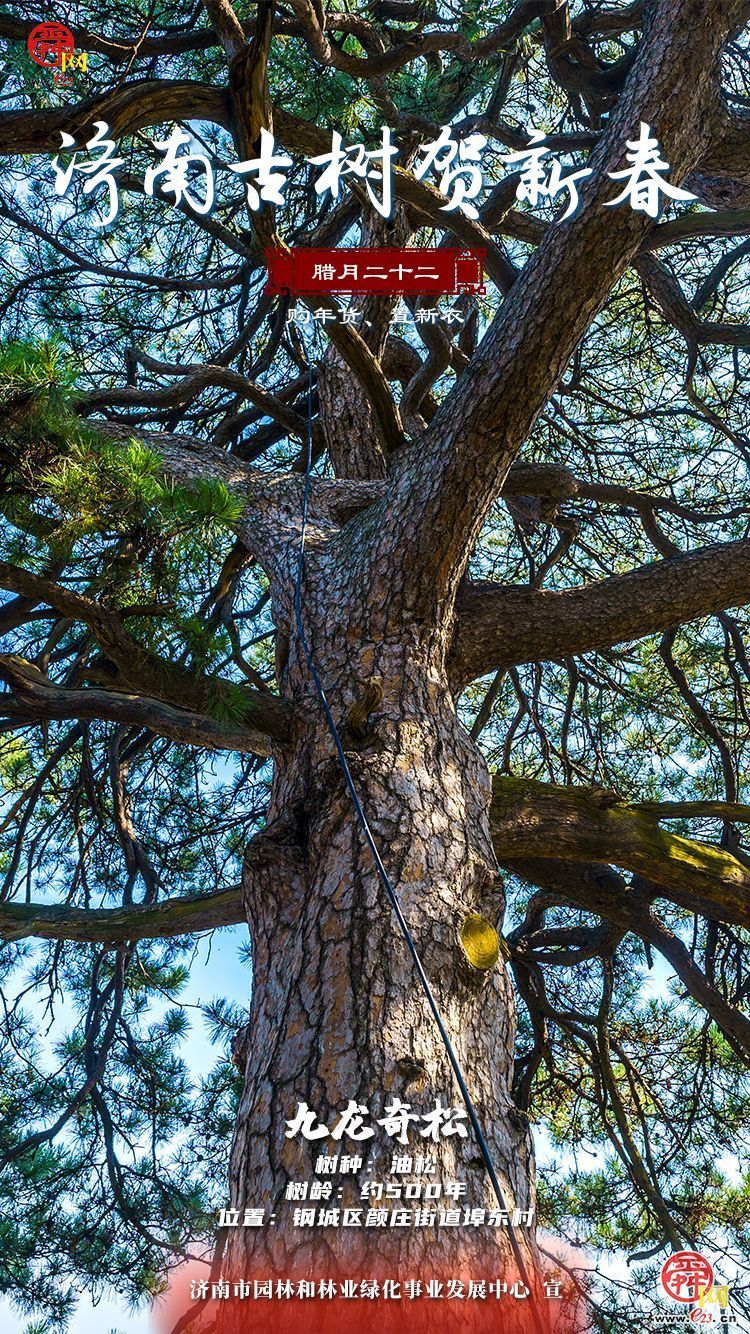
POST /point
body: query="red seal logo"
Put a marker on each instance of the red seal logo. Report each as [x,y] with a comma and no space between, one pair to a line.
[48,43]
[686,1275]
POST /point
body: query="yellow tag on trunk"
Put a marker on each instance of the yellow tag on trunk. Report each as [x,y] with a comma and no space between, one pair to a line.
[480,942]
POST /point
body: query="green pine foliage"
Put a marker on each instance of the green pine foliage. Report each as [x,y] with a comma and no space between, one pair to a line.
[93,483]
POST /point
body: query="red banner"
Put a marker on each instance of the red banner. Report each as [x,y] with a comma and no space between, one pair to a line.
[407,272]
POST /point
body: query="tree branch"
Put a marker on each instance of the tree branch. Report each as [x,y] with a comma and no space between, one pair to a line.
[191,382]
[127,108]
[600,890]
[575,824]
[174,917]
[501,626]
[137,670]
[37,700]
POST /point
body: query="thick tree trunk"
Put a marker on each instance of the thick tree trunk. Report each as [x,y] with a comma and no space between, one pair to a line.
[337,1011]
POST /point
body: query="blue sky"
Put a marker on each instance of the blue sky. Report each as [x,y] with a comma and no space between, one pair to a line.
[216,970]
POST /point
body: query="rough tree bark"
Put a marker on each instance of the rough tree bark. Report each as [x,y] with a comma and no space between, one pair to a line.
[337,1012]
